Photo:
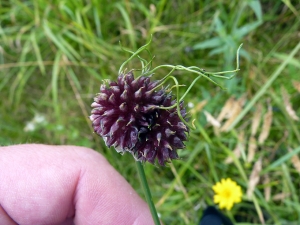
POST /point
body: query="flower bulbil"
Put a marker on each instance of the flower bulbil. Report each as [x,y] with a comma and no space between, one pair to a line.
[128,115]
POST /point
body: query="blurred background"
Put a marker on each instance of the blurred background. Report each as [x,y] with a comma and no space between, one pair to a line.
[55,54]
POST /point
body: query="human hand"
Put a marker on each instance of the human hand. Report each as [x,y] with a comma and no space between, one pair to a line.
[62,185]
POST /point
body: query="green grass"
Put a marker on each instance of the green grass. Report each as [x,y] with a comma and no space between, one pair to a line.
[53,57]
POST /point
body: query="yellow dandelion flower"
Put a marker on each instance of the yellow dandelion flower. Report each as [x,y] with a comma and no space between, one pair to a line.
[227,193]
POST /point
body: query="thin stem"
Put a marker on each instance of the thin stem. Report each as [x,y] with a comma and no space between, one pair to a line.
[134,54]
[141,172]
[177,103]
[202,72]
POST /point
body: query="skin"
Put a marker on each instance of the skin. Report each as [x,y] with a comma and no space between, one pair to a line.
[62,185]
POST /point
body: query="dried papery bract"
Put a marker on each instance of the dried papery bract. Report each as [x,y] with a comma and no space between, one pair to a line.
[252,146]
[234,112]
[210,119]
[239,148]
[266,126]
[288,106]
[226,111]
[296,85]
[254,177]
[295,161]
[281,196]
[199,107]
[256,119]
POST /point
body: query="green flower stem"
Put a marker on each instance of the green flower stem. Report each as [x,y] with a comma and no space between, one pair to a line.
[141,172]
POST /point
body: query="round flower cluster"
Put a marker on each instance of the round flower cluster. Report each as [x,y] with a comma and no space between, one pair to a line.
[128,115]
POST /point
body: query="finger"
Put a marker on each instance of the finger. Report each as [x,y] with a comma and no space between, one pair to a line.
[53,184]
[5,219]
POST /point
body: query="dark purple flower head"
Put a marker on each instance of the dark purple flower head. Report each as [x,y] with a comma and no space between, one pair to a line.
[126,114]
